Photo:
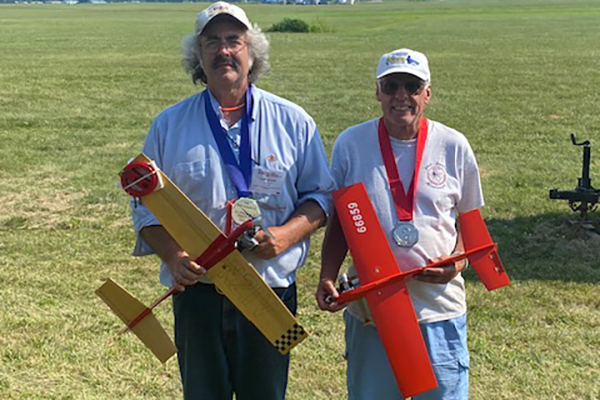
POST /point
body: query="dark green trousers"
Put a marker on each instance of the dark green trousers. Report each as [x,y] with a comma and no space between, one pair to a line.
[221,353]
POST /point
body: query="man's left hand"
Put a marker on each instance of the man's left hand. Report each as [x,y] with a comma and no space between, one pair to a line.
[269,247]
[442,274]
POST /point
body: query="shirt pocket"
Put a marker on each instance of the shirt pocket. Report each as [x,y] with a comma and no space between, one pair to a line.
[195,179]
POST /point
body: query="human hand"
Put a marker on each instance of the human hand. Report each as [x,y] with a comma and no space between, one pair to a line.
[326,296]
[184,270]
[443,273]
[271,246]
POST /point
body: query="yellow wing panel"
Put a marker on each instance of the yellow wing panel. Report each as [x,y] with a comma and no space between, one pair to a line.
[120,301]
[148,330]
[152,334]
[193,230]
[242,285]
[233,275]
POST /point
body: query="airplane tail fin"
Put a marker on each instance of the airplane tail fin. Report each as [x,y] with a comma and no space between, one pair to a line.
[148,329]
[486,262]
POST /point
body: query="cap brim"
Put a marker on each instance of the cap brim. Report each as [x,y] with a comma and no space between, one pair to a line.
[401,70]
[224,16]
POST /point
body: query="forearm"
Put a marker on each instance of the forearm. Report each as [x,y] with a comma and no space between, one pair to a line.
[304,221]
[446,272]
[459,248]
[162,242]
[333,253]
[334,249]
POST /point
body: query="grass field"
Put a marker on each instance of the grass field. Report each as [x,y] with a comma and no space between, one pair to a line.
[79,86]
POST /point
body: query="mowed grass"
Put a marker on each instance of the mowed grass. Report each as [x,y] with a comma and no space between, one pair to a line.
[80,85]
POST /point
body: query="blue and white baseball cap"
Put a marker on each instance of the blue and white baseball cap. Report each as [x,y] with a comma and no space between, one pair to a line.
[404,61]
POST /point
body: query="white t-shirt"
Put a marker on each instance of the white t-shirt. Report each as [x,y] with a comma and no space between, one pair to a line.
[448,183]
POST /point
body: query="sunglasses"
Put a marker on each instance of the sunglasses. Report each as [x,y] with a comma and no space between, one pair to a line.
[390,87]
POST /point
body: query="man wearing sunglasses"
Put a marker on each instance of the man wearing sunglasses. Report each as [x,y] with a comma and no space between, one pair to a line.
[435,177]
[229,142]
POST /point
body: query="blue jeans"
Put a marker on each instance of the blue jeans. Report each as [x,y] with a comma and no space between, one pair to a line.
[220,352]
[370,377]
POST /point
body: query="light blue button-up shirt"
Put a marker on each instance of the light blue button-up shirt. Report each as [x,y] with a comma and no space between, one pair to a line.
[283,137]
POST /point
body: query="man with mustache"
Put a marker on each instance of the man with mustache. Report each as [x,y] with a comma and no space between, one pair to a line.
[229,142]
[421,175]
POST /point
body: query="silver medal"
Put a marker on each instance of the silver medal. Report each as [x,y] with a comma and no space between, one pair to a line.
[246,208]
[405,234]
[243,209]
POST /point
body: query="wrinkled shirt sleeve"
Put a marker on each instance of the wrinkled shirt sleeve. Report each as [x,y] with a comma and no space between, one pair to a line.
[471,193]
[315,181]
[141,216]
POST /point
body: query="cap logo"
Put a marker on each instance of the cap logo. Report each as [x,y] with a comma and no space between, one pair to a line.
[411,61]
[218,9]
[401,59]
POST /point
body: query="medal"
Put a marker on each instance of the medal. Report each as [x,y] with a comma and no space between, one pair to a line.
[405,234]
[243,209]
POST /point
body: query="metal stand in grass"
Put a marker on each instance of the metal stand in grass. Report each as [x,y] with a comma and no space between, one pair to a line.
[584,198]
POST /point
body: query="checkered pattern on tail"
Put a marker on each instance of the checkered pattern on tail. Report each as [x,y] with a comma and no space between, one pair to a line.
[291,338]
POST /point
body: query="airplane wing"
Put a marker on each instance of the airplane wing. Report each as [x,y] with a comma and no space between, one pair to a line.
[486,263]
[127,308]
[390,303]
[233,275]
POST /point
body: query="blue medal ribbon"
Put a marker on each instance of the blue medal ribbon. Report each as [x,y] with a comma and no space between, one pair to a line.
[239,173]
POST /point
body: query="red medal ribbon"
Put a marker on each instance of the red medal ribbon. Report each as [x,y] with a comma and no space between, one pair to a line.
[229,220]
[404,202]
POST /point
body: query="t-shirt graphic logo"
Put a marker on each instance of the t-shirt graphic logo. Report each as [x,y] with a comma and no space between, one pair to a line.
[436,175]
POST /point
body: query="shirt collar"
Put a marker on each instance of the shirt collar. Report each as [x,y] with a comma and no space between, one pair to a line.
[256,96]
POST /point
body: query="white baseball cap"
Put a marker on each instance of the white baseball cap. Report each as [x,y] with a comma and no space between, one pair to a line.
[220,8]
[404,61]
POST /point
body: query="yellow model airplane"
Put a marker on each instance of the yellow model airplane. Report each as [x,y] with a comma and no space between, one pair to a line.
[205,243]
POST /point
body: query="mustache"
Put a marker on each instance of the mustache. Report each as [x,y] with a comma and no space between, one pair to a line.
[220,59]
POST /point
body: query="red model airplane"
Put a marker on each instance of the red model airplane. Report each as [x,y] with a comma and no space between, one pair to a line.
[382,282]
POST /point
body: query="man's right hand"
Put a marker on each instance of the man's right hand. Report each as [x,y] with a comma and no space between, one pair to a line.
[184,270]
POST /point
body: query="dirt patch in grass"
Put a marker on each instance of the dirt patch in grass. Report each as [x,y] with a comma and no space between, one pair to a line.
[570,237]
[36,210]
[36,199]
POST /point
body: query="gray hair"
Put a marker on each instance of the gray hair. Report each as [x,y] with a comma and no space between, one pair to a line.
[258,48]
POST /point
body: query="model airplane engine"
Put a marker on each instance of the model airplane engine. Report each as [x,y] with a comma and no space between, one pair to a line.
[347,283]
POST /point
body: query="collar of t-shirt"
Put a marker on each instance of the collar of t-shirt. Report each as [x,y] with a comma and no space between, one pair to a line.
[404,153]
